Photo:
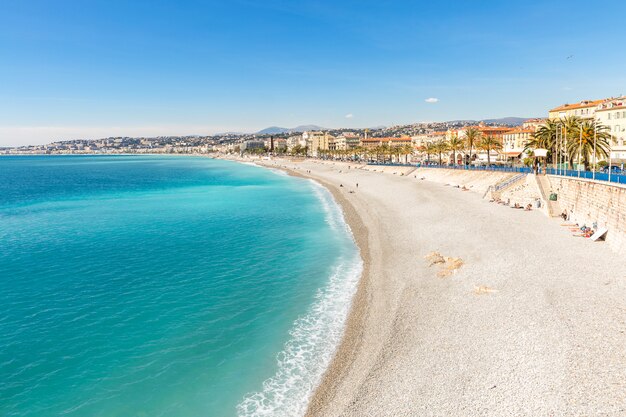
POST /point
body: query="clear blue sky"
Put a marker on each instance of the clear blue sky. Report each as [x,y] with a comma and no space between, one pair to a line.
[72,69]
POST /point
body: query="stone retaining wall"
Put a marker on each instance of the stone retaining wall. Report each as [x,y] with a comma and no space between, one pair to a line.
[478,181]
[590,202]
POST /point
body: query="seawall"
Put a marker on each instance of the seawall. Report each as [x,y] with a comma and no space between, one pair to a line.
[588,202]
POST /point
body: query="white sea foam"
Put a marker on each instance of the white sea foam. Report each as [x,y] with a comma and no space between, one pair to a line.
[313,338]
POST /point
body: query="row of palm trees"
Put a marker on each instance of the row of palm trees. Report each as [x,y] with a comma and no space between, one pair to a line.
[473,140]
[382,153]
[572,139]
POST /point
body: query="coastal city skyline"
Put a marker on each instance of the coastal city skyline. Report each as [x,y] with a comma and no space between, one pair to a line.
[154,69]
[316,208]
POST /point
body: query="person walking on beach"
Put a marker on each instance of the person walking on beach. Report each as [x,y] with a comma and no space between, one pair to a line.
[357,185]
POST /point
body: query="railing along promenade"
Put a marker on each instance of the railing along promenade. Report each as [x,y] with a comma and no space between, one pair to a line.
[561,172]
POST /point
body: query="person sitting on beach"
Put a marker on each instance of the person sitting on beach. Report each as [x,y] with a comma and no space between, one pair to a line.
[564,214]
[529,207]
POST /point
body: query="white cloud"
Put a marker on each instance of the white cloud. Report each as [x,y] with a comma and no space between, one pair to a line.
[431,100]
[349,116]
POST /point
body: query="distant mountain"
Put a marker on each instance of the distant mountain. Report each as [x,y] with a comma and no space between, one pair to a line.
[273,130]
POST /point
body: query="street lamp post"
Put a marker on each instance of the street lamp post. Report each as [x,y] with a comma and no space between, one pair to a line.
[580,144]
[610,161]
[595,161]
[564,150]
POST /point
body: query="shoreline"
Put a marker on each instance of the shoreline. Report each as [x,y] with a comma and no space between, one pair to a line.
[351,339]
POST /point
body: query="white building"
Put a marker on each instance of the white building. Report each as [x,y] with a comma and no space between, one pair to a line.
[295,140]
[347,140]
[613,115]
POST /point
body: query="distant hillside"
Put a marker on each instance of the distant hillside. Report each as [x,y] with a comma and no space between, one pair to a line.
[512,121]
[276,130]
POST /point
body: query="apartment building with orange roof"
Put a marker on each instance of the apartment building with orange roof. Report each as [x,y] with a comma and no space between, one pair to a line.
[585,109]
[534,123]
[495,131]
[609,112]
[514,141]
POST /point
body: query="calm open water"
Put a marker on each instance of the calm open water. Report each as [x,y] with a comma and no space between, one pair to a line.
[166,286]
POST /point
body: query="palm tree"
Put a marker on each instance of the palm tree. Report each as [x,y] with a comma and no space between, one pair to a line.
[546,138]
[406,151]
[380,151]
[472,136]
[582,146]
[488,143]
[365,151]
[430,149]
[455,144]
[421,150]
[572,128]
[394,151]
[386,151]
[440,147]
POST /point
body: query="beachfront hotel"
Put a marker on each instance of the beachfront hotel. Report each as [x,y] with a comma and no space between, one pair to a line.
[612,114]
[609,112]
[317,141]
[345,141]
[584,110]
[514,141]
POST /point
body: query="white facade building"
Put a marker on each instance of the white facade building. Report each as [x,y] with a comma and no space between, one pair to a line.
[613,115]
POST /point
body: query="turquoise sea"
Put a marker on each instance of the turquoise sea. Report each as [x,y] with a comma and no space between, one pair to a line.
[166,286]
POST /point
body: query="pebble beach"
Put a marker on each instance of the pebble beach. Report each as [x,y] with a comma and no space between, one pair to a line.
[469,308]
